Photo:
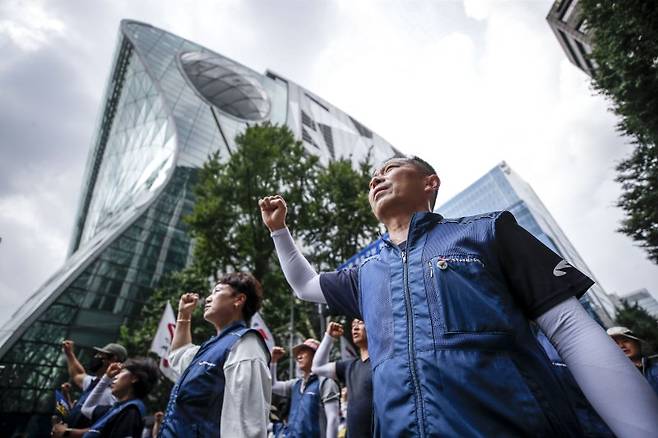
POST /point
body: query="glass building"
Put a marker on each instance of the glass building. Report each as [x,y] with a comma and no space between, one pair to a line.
[169,103]
[502,189]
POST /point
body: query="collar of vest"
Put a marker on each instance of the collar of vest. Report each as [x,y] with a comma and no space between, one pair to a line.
[420,222]
[231,327]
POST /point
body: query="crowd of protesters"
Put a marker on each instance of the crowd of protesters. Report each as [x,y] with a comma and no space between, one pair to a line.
[464,327]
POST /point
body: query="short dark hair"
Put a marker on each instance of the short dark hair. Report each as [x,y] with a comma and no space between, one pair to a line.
[146,372]
[423,166]
[245,283]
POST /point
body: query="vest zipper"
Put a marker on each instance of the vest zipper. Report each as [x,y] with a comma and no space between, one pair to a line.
[410,344]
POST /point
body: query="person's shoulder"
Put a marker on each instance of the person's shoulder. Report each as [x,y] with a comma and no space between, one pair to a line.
[249,346]
[478,219]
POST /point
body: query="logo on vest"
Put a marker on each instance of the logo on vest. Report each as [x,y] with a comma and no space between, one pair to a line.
[206,363]
[557,271]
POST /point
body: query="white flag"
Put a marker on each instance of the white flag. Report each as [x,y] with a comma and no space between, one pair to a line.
[162,341]
[257,323]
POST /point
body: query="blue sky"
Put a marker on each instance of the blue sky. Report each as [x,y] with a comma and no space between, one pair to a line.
[463,84]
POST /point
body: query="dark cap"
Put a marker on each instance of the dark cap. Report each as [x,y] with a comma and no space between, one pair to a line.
[117,350]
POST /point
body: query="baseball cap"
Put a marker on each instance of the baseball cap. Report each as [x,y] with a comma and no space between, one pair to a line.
[117,350]
[622,331]
[309,343]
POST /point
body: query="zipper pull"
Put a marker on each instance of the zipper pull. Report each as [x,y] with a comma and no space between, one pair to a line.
[431,270]
[404,257]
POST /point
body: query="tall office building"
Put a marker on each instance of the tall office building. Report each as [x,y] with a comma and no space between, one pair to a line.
[169,103]
[570,29]
[643,299]
[502,189]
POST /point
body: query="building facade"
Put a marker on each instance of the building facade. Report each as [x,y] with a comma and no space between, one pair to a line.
[643,299]
[502,189]
[570,29]
[169,103]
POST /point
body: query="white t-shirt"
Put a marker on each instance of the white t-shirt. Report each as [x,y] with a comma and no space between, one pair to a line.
[247,389]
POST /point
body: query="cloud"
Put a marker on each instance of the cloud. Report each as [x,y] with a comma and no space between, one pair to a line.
[28,24]
[463,85]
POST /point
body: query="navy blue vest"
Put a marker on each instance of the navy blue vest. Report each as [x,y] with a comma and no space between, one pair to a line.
[452,354]
[304,417]
[97,428]
[195,403]
[75,418]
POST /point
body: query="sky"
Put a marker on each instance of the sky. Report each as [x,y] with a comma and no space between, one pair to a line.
[464,84]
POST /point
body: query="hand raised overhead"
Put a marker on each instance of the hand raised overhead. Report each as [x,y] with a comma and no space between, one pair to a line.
[273,210]
[335,330]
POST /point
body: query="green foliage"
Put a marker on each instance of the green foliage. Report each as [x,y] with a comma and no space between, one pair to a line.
[641,323]
[341,213]
[327,208]
[625,49]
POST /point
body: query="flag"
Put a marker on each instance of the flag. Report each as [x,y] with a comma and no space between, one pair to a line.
[347,350]
[257,323]
[162,341]
[62,408]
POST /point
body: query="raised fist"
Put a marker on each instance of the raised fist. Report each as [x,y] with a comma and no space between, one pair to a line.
[277,354]
[273,210]
[335,330]
[67,347]
[187,304]
[113,369]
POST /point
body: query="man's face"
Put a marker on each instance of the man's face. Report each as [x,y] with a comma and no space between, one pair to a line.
[398,187]
[630,347]
[304,359]
[359,333]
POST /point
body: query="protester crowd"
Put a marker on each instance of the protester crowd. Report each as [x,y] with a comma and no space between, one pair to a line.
[464,327]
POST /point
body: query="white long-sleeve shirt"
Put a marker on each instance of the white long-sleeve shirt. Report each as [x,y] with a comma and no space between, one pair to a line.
[247,389]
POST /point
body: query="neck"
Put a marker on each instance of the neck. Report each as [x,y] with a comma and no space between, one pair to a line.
[307,374]
[398,228]
[363,352]
[221,325]
[637,362]
[126,397]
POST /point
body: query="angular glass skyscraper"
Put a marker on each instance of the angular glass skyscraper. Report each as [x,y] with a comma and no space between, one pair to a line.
[169,103]
[502,189]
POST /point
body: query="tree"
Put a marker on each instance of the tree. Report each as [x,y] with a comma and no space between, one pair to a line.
[625,50]
[328,209]
[641,323]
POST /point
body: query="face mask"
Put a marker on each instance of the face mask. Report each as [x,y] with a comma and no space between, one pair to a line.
[95,364]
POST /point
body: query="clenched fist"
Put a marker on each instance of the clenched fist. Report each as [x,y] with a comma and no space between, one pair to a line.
[335,330]
[67,347]
[277,353]
[273,210]
[187,304]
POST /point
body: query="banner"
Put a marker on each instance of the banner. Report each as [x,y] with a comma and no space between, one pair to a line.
[258,323]
[162,341]
[62,407]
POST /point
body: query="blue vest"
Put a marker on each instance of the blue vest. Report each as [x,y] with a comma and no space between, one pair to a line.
[452,354]
[650,371]
[97,428]
[195,403]
[75,418]
[304,417]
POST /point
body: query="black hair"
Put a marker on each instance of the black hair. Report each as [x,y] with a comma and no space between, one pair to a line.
[245,283]
[146,372]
